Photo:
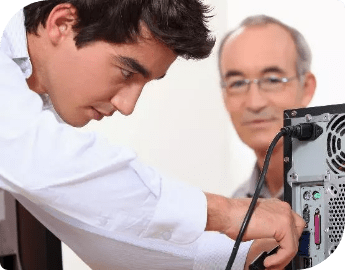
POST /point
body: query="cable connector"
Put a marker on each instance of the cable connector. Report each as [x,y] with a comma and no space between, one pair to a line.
[258,263]
[303,131]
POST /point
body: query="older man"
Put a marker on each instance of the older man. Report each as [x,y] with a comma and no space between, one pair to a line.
[265,69]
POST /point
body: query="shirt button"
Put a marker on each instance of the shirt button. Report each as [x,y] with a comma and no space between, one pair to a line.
[166,235]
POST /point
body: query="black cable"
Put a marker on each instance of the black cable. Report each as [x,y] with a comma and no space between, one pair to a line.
[254,199]
[304,132]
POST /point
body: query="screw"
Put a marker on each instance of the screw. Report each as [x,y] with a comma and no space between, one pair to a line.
[308,117]
[294,176]
[286,159]
[293,113]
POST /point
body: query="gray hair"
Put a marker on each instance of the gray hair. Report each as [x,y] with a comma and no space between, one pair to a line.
[304,56]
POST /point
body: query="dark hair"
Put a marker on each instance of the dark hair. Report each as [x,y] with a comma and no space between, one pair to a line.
[179,24]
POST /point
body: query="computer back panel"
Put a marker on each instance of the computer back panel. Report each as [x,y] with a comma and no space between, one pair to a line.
[315,182]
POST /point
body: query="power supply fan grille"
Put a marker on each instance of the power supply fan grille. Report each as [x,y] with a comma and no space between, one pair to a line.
[336,155]
[336,215]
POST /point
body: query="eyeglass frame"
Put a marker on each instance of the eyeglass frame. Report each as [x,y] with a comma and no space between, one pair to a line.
[258,81]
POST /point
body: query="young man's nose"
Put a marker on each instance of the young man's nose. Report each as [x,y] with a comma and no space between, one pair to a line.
[126,99]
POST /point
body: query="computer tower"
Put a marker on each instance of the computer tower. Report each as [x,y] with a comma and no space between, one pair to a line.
[314,182]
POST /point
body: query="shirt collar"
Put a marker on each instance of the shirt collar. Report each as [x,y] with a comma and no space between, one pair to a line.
[14,43]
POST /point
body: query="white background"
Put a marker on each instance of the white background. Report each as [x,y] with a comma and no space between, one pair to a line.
[180,125]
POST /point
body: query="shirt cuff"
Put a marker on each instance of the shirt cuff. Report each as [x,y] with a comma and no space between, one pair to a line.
[181,214]
[214,252]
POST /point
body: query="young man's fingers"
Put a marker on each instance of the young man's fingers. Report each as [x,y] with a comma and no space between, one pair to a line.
[288,249]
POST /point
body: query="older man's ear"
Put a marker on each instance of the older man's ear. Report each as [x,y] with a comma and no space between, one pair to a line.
[309,87]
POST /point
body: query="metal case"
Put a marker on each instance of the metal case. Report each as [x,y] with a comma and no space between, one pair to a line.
[314,183]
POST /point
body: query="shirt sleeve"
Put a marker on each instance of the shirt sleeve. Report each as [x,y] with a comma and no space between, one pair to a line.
[81,175]
[103,250]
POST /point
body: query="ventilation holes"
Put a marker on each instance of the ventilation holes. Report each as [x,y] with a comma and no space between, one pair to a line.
[333,249]
[331,121]
[337,215]
[338,124]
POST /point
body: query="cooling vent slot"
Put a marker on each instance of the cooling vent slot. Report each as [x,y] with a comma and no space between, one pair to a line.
[335,136]
[333,249]
[336,216]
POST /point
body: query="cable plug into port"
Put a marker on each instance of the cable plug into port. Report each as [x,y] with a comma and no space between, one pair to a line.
[308,262]
[306,215]
[304,131]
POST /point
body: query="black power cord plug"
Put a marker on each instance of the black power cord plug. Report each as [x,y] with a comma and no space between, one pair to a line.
[258,263]
[303,132]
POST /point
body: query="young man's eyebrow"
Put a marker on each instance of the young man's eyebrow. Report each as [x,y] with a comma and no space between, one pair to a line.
[134,65]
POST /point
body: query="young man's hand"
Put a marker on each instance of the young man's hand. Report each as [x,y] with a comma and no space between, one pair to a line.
[272,219]
[258,247]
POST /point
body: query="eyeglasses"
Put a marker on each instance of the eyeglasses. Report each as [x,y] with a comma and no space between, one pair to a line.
[234,86]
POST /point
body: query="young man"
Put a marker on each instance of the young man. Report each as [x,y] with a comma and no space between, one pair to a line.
[265,69]
[78,60]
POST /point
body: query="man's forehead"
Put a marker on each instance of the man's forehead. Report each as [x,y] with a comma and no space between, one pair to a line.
[259,47]
[261,36]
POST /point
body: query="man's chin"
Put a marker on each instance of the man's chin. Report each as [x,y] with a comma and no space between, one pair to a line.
[80,125]
[77,123]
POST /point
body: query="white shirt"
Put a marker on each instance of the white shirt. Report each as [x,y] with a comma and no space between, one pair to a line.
[99,199]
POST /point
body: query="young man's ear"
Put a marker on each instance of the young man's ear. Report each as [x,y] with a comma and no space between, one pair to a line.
[309,87]
[60,22]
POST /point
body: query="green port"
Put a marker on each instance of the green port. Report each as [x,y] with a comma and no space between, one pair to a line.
[316,195]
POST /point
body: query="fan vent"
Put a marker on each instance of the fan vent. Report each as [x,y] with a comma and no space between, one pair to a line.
[336,155]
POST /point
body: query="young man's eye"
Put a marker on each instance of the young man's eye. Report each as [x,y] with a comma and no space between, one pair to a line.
[126,74]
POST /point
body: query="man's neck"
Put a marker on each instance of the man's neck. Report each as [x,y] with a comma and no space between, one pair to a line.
[36,52]
[275,173]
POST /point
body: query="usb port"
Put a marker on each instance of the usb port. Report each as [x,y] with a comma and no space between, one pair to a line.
[308,262]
